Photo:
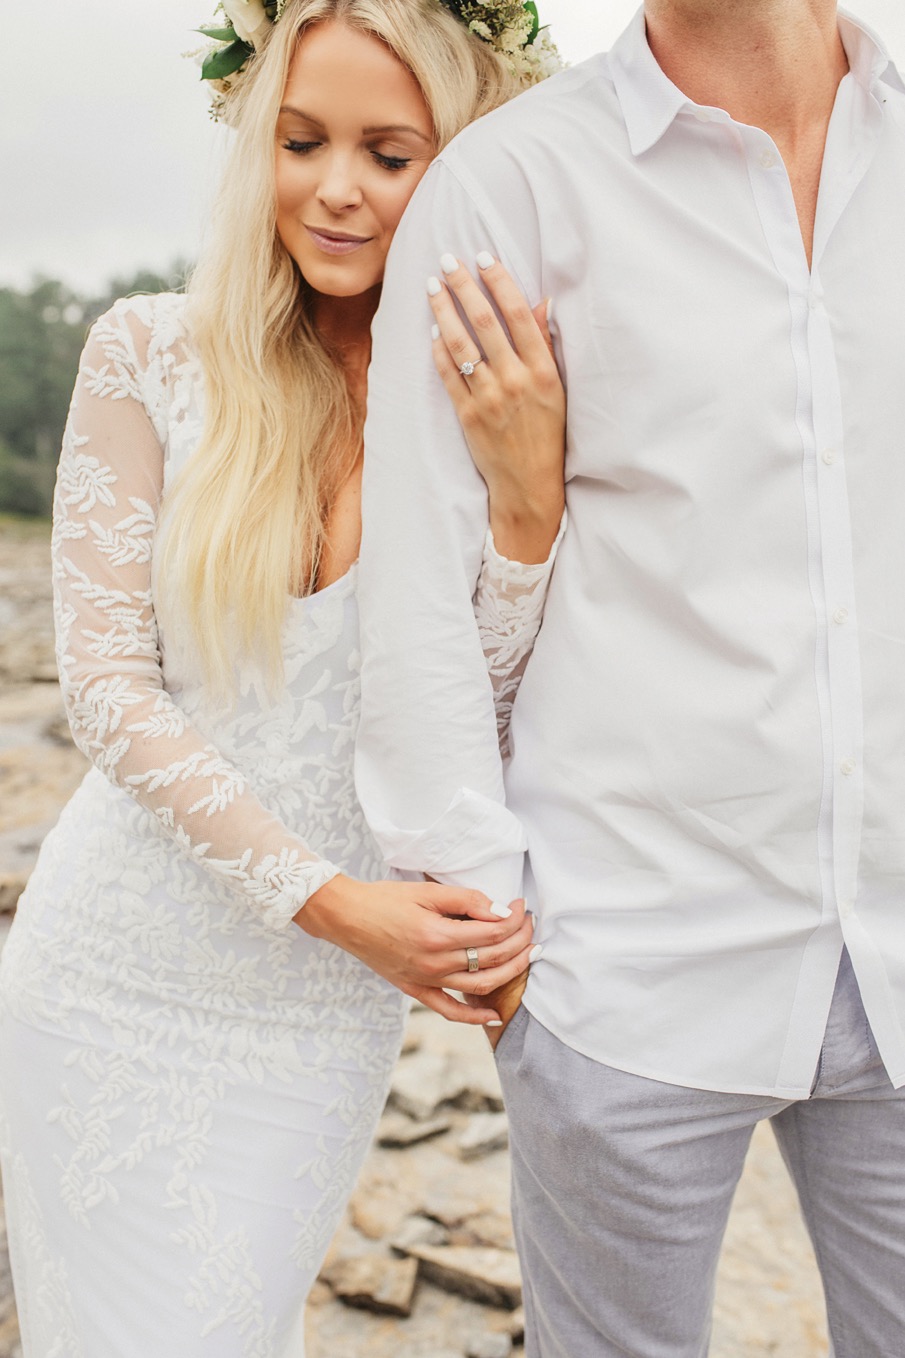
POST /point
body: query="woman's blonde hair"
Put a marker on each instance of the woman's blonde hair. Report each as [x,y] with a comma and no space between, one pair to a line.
[243,525]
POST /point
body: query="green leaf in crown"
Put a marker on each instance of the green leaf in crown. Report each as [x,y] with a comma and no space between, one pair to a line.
[225,61]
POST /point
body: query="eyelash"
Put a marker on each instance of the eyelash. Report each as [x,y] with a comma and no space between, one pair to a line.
[392,163]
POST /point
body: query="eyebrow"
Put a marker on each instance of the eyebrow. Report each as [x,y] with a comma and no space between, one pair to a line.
[368,131]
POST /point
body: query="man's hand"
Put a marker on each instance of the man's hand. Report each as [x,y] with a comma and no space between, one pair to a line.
[505,1001]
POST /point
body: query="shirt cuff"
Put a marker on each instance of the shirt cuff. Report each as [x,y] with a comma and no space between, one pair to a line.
[473,832]
[501,879]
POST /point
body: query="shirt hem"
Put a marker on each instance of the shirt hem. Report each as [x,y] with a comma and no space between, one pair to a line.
[673,1078]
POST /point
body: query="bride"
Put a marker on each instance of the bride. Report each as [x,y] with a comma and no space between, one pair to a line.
[203,991]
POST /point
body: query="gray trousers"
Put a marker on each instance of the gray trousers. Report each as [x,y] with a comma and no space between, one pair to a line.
[622,1187]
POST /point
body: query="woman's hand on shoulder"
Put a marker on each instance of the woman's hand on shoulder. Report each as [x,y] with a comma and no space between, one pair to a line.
[509,399]
[415,934]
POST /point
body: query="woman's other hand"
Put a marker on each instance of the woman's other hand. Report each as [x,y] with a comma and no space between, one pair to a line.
[415,934]
[509,399]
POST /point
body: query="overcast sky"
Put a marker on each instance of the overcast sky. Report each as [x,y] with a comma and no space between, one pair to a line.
[107,157]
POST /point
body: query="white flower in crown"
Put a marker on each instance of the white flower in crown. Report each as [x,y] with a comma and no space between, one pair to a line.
[248,17]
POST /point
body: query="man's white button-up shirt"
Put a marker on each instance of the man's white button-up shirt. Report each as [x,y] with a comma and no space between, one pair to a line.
[709,743]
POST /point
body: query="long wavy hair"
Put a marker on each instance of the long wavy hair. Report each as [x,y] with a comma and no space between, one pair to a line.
[243,525]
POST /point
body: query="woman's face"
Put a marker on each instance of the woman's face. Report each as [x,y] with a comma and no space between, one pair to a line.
[354,137]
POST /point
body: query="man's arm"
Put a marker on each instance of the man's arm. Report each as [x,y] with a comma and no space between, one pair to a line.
[428,767]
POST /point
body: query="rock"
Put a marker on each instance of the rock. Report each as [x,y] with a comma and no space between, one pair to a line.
[35,781]
[485,1228]
[489,1346]
[486,1275]
[423,1081]
[9,1335]
[398,1131]
[375,1283]
[411,1042]
[485,1132]
[517,1325]
[320,1294]
[469,1056]
[12,884]
[377,1211]
[58,730]
[418,1230]
[464,1202]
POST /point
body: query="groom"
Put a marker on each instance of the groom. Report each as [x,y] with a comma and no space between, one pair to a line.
[709,743]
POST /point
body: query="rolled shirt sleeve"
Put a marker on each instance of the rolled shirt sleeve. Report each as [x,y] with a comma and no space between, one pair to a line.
[428,765]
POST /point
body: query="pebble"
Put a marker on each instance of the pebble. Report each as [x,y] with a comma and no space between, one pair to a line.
[484,1133]
[489,1346]
[376,1283]
[417,1230]
[423,1081]
[485,1275]
[398,1131]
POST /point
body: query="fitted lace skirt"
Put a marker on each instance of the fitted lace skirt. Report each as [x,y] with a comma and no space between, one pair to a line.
[200,1093]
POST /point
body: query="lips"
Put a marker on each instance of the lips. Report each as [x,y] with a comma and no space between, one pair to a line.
[336,242]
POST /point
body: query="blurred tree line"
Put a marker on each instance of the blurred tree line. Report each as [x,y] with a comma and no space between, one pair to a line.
[42,332]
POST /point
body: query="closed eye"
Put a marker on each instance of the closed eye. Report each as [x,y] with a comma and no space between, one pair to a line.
[300,147]
[391,162]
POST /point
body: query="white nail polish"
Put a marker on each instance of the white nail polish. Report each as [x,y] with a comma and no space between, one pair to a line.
[435,332]
[533,919]
[549,310]
[434,286]
[494,1023]
[535,953]
[500,910]
[448,263]
[485,260]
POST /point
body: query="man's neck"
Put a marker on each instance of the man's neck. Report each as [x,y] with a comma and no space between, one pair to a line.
[774,64]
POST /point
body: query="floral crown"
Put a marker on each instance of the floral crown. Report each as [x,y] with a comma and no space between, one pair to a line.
[511,27]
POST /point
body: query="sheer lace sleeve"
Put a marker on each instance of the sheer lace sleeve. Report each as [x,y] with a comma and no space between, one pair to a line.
[509,607]
[108,493]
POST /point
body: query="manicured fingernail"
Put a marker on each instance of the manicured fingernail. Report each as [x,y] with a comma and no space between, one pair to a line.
[500,910]
[435,332]
[434,286]
[533,919]
[485,260]
[448,263]
[535,953]
[549,310]
[494,1023]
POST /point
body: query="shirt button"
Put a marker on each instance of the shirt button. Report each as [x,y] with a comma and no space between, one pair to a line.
[847,766]
[829,456]
[768,159]
[840,616]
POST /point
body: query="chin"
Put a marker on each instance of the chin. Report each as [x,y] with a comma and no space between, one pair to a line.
[335,281]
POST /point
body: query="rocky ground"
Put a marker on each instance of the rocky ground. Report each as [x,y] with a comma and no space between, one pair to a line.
[423,1265]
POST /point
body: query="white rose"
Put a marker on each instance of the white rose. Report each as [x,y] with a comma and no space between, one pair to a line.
[248,18]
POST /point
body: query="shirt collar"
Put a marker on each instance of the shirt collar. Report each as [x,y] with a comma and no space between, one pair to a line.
[868,59]
[650,101]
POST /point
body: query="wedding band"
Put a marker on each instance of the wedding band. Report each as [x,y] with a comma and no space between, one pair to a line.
[468,368]
[473,963]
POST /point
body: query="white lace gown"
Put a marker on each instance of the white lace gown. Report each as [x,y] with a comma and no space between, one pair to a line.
[189,1082]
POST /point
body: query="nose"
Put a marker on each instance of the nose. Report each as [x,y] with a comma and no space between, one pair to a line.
[339,189]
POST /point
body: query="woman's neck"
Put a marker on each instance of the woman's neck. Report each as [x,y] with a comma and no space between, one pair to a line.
[344,325]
